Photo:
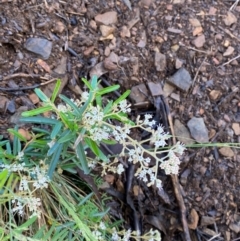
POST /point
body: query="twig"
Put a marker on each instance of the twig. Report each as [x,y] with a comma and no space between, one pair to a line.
[27,87]
[229,33]
[23,75]
[215,236]
[230,61]
[234,5]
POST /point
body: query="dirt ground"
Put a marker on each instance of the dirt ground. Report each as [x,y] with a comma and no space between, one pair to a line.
[189,48]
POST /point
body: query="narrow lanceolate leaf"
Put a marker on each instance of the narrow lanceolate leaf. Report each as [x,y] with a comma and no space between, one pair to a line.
[108,107]
[39,120]
[37,111]
[56,90]
[82,157]
[66,121]
[54,161]
[18,135]
[86,82]
[108,89]
[56,130]
[122,97]
[94,82]
[84,107]
[27,223]
[3,178]
[70,103]
[41,95]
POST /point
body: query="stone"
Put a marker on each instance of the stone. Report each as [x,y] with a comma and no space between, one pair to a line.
[106,30]
[175,96]
[229,51]
[59,27]
[168,89]
[236,128]
[178,63]
[155,89]
[139,93]
[195,22]
[181,79]
[197,31]
[182,133]
[178,1]
[235,227]
[184,176]
[107,18]
[226,151]
[34,98]
[3,102]
[125,32]
[14,119]
[230,19]
[199,41]
[39,46]
[146,3]
[160,61]
[11,106]
[215,94]
[206,220]
[194,218]
[198,129]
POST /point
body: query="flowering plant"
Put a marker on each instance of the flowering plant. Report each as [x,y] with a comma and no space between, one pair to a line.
[62,141]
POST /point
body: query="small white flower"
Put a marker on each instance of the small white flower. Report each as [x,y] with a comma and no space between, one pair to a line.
[51,143]
[102,226]
[120,169]
[85,96]
[20,155]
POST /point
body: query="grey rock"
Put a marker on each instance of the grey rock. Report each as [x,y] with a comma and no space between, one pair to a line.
[181,79]
[39,46]
[11,106]
[182,133]
[198,130]
[139,93]
[15,118]
[160,61]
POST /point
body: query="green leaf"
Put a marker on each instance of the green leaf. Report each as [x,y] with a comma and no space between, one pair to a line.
[108,107]
[27,223]
[18,135]
[41,95]
[53,149]
[60,236]
[56,130]
[94,147]
[56,90]
[37,111]
[85,199]
[108,89]
[82,158]
[94,82]
[101,214]
[70,103]
[122,97]
[84,107]
[49,233]
[39,120]
[65,120]
[3,178]
[67,137]
[99,100]
[86,82]
[54,161]
[109,142]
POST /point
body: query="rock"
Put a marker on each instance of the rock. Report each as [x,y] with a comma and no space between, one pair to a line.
[212,11]
[184,176]
[236,128]
[235,227]
[205,221]
[197,31]
[199,41]
[175,96]
[146,3]
[155,88]
[98,70]
[230,19]
[34,98]
[3,102]
[226,151]
[215,94]
[160,61]
[39,46]
[59,27]
[106,18]
[195,22]
[93,24]
[106,30]
[168,89]
[88,50]
[14,119]
[109,65]
[178,1]
[11,106]
[110,36]
[198,129]
[25,134]
[44,65]
[143,41]
[229,51]
[125,32]
[139,93]
[174,30]
[62,66]
[182,133]
[193,217]
[181,79]
[178,64]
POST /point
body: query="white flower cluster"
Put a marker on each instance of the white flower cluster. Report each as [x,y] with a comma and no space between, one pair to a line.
[32,203]
[159,137]
[124,107]
[41,179]
[120,133]
[65,107]
[14,167]
[126,237]
[171,166]
[136,155]
[146,122]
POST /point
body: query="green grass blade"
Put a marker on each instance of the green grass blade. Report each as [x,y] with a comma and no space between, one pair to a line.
[108,89]
[37,111]
[54,161]
[82,158]
[3,178]
[39,120]
[122,97]
[18,135]
[86,82]
[94,82]
[41,95]
[56,90]
[27,223]
[56,129]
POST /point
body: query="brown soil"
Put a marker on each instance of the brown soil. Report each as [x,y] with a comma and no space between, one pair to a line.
[201,36]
